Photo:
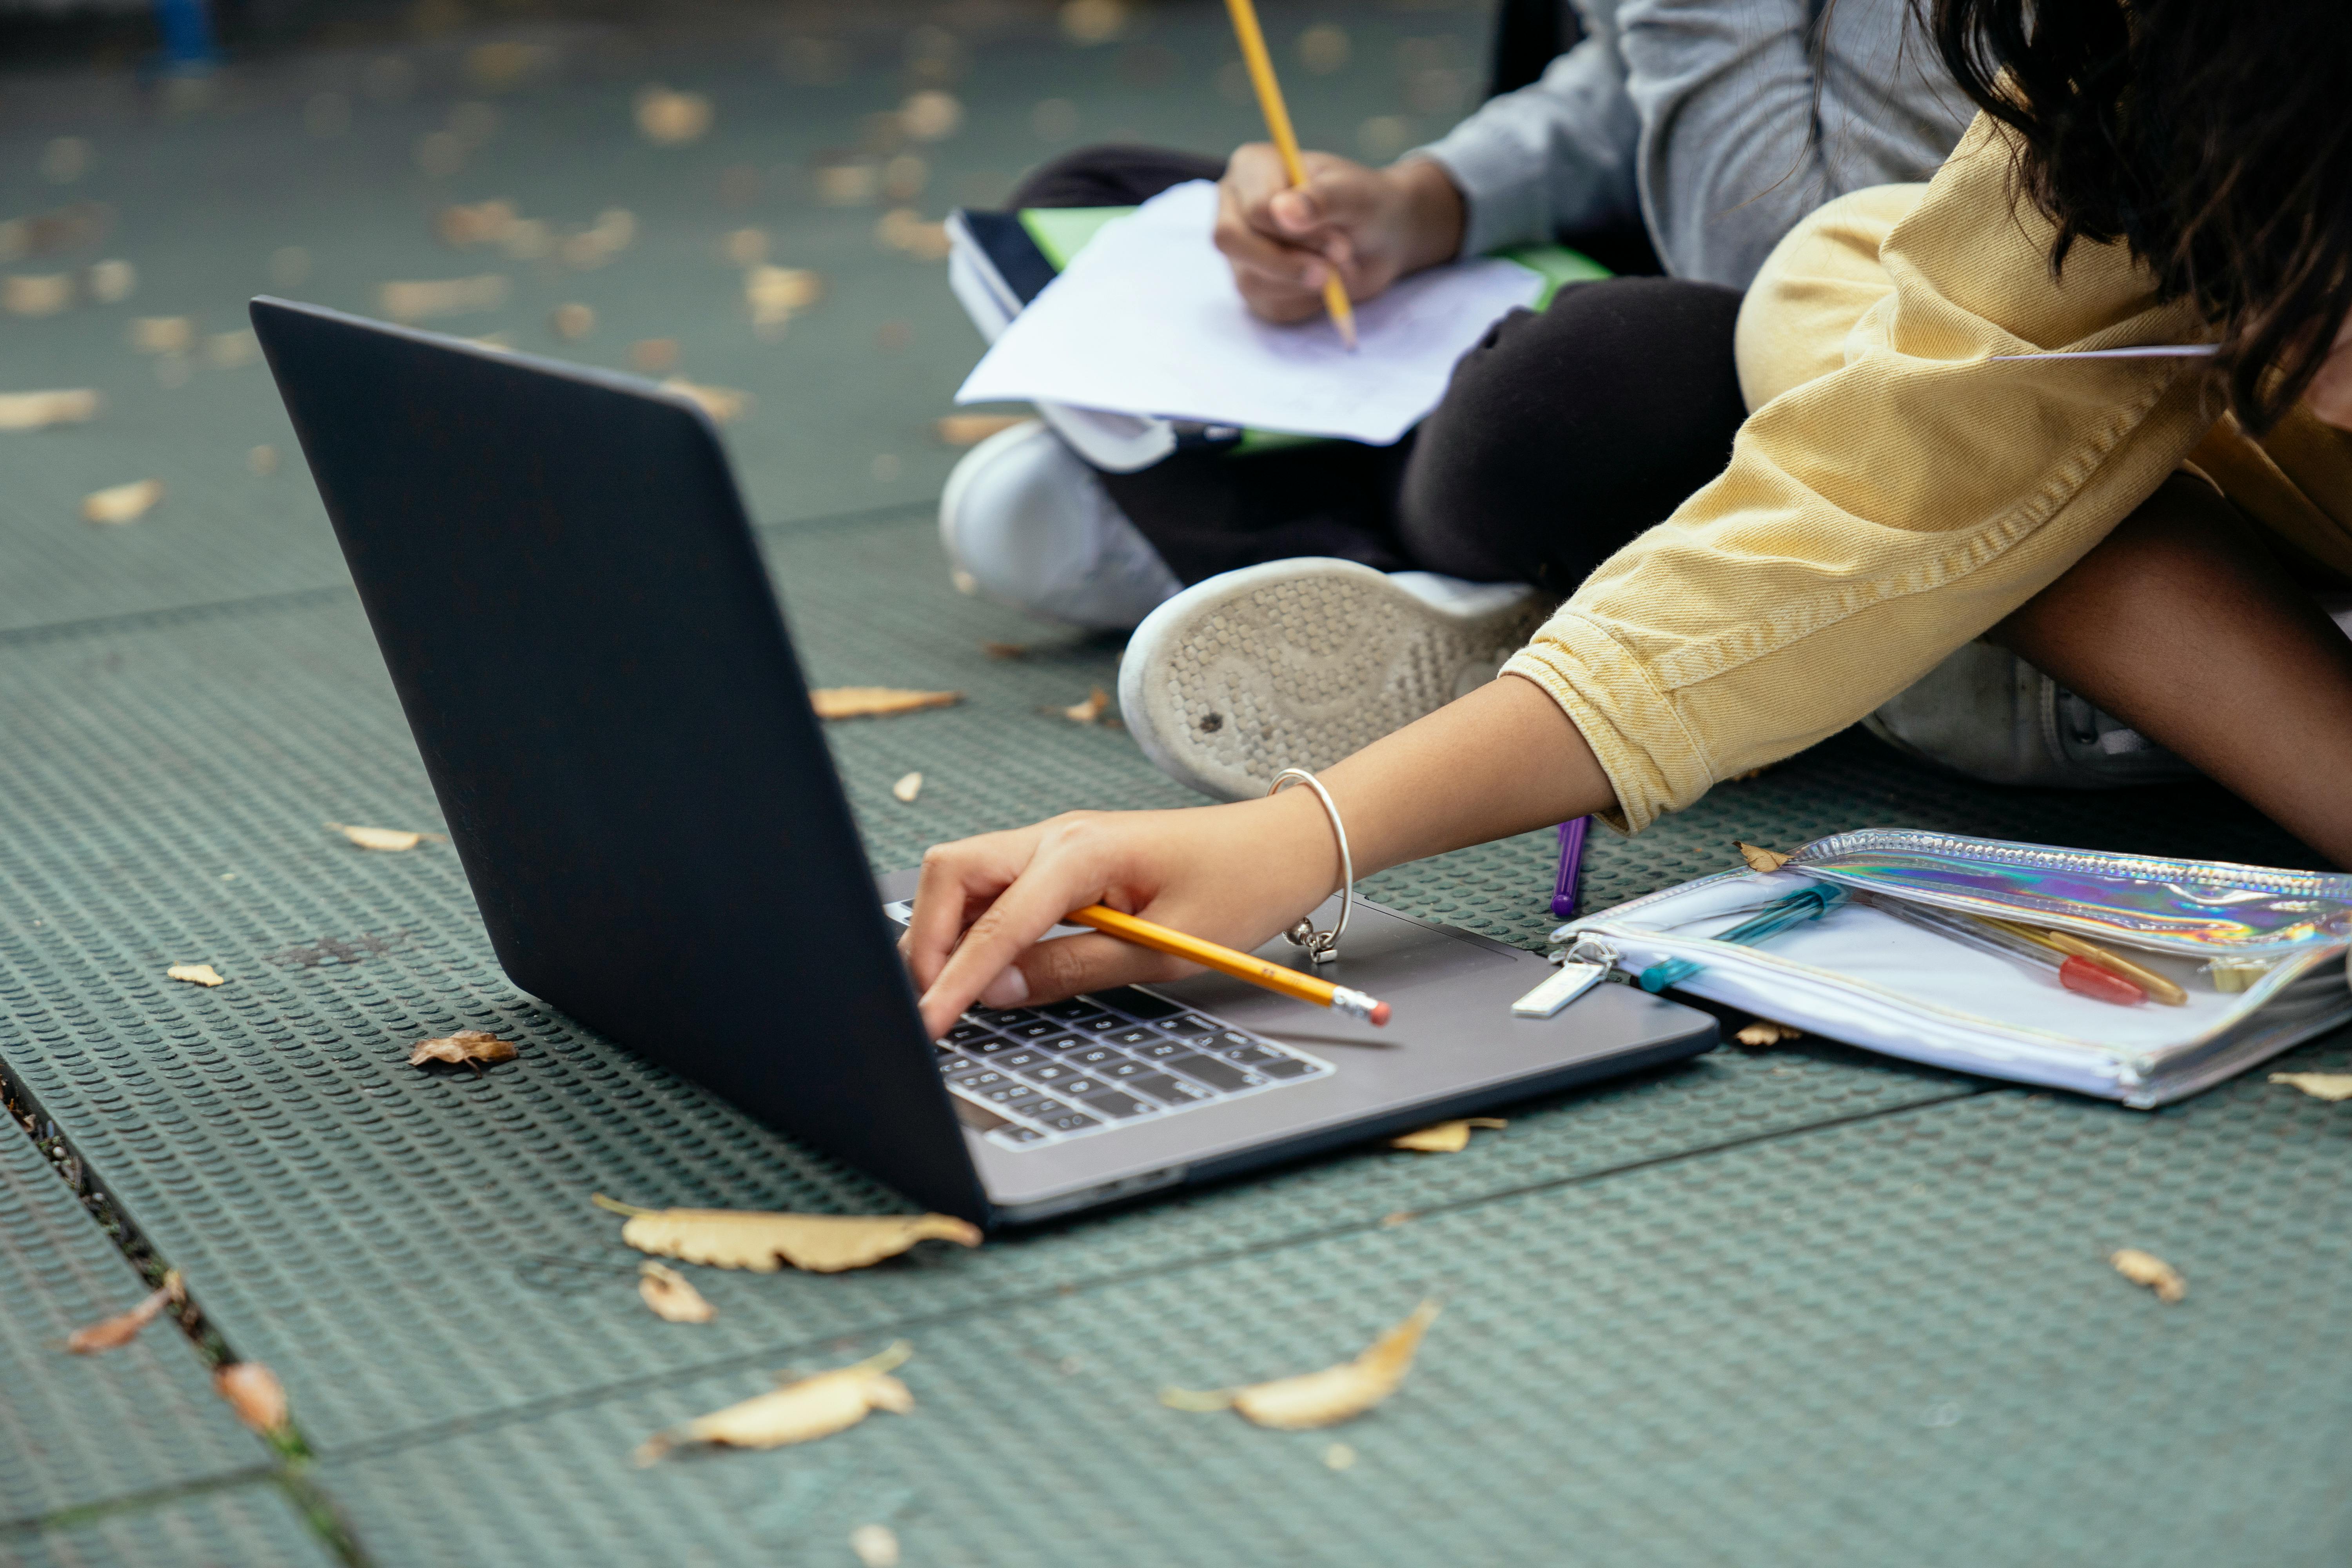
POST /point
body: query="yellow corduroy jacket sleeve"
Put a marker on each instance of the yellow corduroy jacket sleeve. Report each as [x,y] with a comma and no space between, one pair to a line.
[1898,493]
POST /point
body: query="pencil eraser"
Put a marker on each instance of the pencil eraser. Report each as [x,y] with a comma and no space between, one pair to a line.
[1380,1014]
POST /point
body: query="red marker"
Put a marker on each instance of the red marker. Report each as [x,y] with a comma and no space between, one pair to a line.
[2079,975]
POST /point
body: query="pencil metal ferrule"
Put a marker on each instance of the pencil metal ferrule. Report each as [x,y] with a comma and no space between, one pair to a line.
[1354,1004]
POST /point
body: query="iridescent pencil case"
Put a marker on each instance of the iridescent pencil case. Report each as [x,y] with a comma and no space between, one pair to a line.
[2259,952]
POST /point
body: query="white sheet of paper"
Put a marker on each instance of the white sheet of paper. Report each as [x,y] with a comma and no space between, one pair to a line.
[1146,319]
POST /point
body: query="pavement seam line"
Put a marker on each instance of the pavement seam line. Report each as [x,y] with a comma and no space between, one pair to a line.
[290,1472]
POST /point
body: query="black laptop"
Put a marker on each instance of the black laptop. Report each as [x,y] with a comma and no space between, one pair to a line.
[560,574]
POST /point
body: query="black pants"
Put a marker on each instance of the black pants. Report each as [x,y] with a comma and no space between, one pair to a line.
[1561,436]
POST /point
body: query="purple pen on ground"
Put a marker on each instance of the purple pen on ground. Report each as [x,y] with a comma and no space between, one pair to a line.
[1571,860]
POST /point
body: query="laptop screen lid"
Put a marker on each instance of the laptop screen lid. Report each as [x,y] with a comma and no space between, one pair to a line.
[581,633]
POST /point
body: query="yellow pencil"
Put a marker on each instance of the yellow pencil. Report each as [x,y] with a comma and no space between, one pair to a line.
[1225,961]
[1285,142]
[2148,980]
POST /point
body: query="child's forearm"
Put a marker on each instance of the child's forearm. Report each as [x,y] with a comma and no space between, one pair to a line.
[1503,760]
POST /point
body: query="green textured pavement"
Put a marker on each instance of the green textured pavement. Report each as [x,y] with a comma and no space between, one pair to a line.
[79,1431]
[1801,1305]
[251,1527]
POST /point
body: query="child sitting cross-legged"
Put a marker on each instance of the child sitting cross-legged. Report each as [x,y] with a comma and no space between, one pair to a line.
[2151,532]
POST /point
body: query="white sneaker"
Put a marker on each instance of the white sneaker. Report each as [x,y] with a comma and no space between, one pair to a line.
[1297,664]
[1026,523]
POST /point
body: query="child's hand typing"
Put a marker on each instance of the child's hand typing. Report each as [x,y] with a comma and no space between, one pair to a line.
[1234,874]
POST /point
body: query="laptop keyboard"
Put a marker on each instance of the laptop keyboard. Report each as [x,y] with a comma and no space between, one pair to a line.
[1093,1063]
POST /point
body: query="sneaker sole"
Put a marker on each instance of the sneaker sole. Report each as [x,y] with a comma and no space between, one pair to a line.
[1298,664]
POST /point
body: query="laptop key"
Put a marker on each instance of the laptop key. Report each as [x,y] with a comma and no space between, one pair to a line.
[1136,1003]
[1050,1075]
[1286,1067]
[1008,1094]
[1125,1068]
[1002,1019]
[979,1080]
[1021,1060]
[1034,1029]
[963,1032]
[1014,1134]
[1171,1090]
[1132,1038]
[1249,1056]
[1061,1042]
[1119,1107]
[988,1046]
[1104,1024]
[1189,1025]
[1075,1010]
[1067,1122]
[951,1065]
[1162,1050]
[1080,1085]
[1217,1074]
[1099,1056]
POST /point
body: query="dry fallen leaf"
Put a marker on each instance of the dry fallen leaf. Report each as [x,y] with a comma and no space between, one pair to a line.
[1444,1137]
[1093,22]
[903,229]
[776,294]
[743,247]
[848,184]
[670,1295]
[874,1545]
[721,403]
[111,282]
[476,223]
[1761,860]
[389,840]
[417,301]
[2146,1269]
[162,334]
[1090,710]
[1321,1398]
[653,355]
[112,1333]
[121,503]
[36,294]
[2318,1085]
[798,1412]
[39,410]
[931,115]
[875,702]
[573,321]
[196,974]
[465,1046]
[748,1238]
[669,119]
[908,788]
[972,430]
[229,350]
[1764,1032]
[254,1391]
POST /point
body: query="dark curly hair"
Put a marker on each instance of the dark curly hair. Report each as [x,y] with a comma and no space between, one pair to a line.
[2213,137]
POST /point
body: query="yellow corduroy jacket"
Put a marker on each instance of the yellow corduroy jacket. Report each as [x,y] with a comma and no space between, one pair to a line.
[1895,491]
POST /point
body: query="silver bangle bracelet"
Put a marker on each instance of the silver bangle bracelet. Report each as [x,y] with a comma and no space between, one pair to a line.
[1322,946]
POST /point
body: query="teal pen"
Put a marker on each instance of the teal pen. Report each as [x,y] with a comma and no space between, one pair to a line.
[1795,909]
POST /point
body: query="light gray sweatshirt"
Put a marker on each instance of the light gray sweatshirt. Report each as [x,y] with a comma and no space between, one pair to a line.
[1699,119]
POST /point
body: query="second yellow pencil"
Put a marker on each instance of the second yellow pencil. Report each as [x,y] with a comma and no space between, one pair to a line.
[1285,142]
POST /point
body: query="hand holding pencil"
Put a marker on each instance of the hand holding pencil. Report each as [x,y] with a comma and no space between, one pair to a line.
[1310,233]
